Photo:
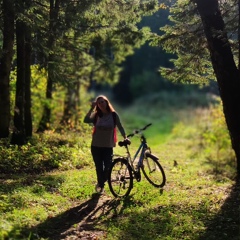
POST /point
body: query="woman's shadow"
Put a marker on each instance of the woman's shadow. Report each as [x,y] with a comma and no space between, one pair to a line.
[82,216]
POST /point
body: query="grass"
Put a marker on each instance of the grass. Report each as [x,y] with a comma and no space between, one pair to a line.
[197,202]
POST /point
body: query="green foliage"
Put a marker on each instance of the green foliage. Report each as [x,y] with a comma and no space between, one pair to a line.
[44,153]
[93,37]
[144,84]
[41,206]
[38,89]
[142,66]
[85,38]
[79,42]
[210,139]
[216,136]
[214,141]
[185,39]
[38,92]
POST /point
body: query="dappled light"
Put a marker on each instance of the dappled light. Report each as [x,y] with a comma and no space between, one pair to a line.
[171,65]
[195,192]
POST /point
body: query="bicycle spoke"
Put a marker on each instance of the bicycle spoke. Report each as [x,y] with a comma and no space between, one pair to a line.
[153,172]
[120,178]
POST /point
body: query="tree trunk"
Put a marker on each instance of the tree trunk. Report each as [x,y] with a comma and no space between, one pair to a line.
[123,84]
[5,63]
[70,113]
[238,34]
[27,108]
[225,69]
[53,15]
[19,135]
[46,117]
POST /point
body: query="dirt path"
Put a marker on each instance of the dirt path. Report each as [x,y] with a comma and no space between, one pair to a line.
[82,221]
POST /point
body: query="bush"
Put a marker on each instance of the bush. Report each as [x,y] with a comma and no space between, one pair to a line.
[210,139]
[44,153]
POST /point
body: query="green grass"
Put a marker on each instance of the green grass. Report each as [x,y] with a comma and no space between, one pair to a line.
[200,199]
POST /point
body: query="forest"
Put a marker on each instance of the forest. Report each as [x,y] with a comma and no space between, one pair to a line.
[171,63]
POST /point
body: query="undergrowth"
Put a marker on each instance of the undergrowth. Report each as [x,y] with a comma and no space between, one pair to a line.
[47,186]
[46,152]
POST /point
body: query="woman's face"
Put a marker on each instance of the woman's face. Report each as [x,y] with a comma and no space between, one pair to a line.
[102,104]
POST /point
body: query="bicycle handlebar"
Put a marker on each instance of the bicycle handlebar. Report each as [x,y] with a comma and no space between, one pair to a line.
[139,130]
[127,141]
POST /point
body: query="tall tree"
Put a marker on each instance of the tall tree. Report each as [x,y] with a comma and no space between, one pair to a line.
[224,66]
[28,102]
[203,27]
[123,84]
[5,65]
[19,135]
[22,110]
[53,19]
[71,102]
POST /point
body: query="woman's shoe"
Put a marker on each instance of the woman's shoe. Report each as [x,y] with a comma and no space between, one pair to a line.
[99,189]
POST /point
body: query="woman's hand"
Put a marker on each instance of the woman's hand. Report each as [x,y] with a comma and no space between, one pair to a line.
[127,140]
[93,105]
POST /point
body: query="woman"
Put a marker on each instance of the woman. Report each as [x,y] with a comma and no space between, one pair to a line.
[105,120]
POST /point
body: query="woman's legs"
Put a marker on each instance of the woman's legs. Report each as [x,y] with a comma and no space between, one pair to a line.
[102,159]
[107,159]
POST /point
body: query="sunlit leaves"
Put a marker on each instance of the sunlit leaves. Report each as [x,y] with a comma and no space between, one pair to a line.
[185,38]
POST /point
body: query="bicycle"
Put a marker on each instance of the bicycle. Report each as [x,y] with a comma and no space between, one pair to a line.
[123,168]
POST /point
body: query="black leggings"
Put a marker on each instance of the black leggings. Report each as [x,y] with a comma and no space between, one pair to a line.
[102,158]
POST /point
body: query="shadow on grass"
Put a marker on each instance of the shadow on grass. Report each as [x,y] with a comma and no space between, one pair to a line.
[62,225]
[90,220]
[80,222]
[226,224]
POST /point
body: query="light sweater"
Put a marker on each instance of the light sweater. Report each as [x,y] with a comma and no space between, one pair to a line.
[103,134]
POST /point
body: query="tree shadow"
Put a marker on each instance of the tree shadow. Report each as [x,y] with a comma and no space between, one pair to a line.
[222,168]
[11,183]
[226,224]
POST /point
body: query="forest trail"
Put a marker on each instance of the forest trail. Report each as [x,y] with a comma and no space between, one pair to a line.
[81,221]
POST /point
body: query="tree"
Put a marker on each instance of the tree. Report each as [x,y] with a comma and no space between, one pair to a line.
[53,19]
[5,65]
[58,36]
[82,26]
[192,38]
[142,66]
[123,84]
[225,69]
[22,111]
[28,98]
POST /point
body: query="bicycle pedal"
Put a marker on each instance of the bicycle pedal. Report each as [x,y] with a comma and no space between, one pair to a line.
[137,176]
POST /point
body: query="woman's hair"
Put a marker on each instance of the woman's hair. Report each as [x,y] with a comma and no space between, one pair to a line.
[109,105]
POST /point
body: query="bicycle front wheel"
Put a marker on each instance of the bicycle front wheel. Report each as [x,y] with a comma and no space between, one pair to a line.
[153,171]
[120,178]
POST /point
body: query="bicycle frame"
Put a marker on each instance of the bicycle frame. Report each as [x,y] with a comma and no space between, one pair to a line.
[125,169]
[139,153]
[142,148]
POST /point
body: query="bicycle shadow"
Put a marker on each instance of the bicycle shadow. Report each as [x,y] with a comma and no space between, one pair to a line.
[55,227]
[81,221]
[226,224]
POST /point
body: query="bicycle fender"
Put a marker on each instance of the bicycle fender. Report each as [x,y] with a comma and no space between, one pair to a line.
[120,158]
[148,154]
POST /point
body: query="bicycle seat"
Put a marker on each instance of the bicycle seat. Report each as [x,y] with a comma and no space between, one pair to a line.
[125,142]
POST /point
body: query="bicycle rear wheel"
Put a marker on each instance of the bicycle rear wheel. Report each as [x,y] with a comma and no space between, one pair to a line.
[153,171]
[120,178]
